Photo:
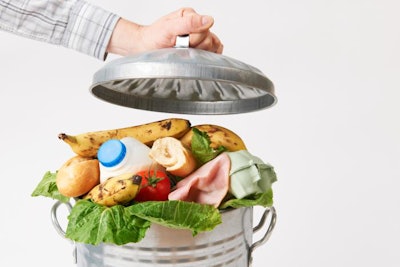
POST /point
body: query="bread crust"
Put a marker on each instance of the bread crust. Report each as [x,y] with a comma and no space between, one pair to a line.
[171,154]
[77,176]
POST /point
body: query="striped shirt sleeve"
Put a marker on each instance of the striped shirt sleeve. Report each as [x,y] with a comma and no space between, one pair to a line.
[75,24]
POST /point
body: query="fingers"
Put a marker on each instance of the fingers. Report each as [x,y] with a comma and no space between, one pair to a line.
[187,21]
[206,41]
[190,24]
[181,22]
[180,13]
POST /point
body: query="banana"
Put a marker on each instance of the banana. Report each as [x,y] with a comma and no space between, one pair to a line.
[116,190]
[87,144]
[219,136]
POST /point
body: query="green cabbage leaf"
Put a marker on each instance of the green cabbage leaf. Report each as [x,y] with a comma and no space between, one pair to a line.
[92,223]
[47,187]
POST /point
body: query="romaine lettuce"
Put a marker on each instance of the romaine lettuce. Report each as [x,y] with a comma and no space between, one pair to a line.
[201,148]
[91,223]
[47,187]
[263,199]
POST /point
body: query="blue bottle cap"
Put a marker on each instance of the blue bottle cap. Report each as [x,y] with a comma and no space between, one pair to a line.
[111,153]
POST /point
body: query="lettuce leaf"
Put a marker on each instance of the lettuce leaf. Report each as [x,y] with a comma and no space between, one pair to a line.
[47,187]
[91,223]
[263,199]
[201,148]
[178,214]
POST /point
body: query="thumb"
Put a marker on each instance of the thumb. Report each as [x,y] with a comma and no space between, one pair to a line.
[192,23]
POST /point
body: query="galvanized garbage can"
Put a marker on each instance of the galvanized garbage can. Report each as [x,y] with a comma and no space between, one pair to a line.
[229,244]
[186,81]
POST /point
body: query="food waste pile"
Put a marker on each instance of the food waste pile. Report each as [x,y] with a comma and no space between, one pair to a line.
[167,172]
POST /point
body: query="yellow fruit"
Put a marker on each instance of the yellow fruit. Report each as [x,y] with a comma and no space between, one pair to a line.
[87,144]
[219,136]
[116,190]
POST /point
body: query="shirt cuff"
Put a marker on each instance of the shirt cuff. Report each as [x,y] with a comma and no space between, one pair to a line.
[89,29]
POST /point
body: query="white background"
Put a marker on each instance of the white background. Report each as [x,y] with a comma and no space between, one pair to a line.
[333,137]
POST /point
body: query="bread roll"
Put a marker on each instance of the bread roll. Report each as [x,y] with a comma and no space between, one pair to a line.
[171,154]
[77,176]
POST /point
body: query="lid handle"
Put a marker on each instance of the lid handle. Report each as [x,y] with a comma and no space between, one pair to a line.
[182,41]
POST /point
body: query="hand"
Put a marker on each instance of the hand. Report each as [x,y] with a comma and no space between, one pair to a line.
[130,38]
[163,32]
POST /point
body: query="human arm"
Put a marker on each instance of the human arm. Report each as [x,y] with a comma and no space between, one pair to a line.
[74,24]
[79,25]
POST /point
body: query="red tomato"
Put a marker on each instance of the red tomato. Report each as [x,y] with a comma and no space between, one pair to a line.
[155,186]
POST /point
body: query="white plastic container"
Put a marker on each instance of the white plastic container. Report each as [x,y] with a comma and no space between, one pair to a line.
[122,156]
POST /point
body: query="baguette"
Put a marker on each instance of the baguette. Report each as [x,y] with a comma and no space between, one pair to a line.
[171,154]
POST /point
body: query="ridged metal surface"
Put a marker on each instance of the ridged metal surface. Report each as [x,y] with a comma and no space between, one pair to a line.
[227,245]
[184,80]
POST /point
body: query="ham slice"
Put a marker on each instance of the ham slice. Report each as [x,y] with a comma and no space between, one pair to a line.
[208,184]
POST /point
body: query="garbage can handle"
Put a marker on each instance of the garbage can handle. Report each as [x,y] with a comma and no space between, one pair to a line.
[57,225]
[269,211]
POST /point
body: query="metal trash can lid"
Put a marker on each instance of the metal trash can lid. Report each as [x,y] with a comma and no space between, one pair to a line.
[184,80]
